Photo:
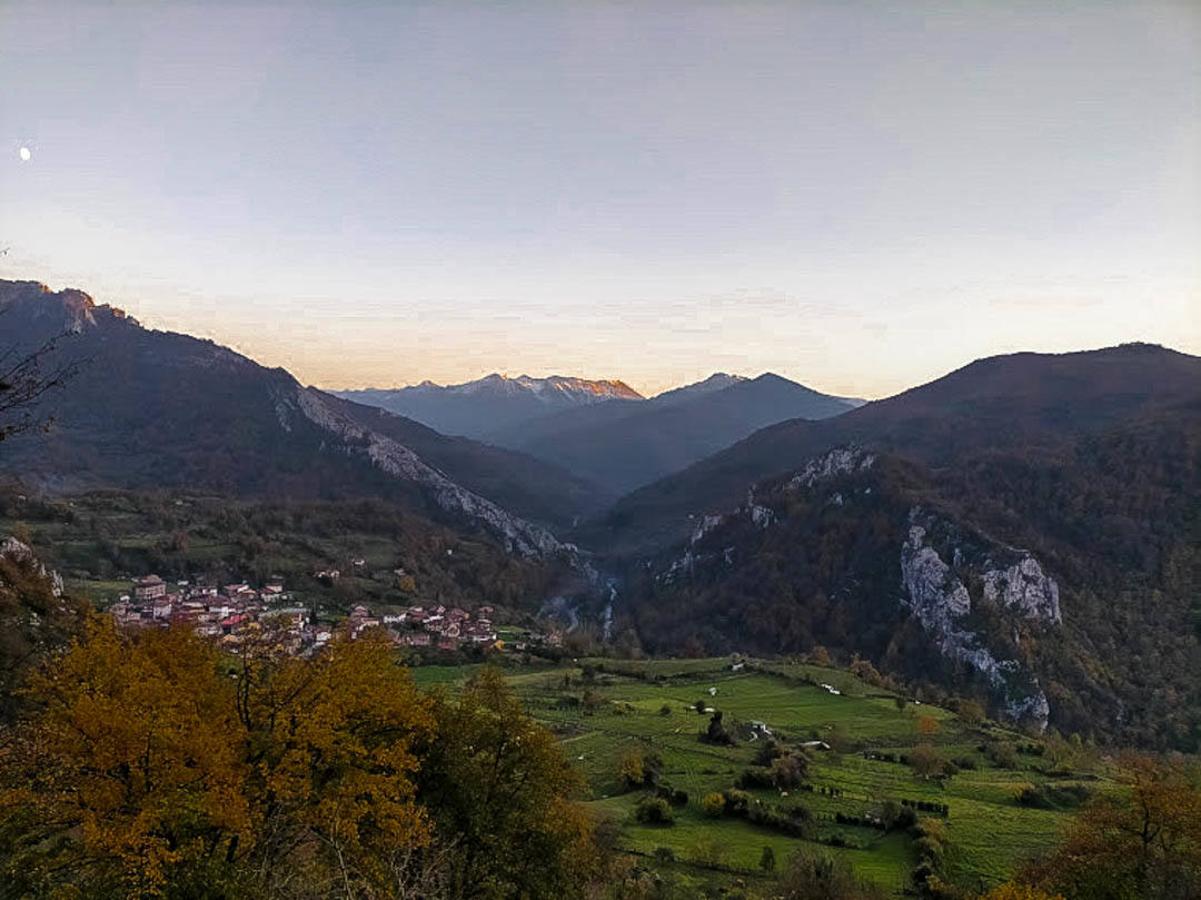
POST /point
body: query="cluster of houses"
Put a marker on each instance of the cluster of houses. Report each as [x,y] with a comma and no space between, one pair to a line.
[435,626]
[234,613]
[229,613]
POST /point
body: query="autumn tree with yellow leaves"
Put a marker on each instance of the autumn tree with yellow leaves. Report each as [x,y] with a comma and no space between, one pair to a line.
[156,766]
[329,751]
[129,772]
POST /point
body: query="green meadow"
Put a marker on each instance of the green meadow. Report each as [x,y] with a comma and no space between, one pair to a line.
[604,710]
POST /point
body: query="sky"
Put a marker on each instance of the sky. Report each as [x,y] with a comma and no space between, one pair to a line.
[857,195]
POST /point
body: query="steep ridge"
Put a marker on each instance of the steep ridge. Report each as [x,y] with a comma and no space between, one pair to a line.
[540,490]
[718,381]
[155,409]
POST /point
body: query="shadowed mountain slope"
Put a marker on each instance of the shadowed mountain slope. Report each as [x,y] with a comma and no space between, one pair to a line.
[1031,403]
[155,409]
[622,446]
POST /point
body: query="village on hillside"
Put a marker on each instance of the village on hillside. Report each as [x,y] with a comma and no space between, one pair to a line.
[235,613]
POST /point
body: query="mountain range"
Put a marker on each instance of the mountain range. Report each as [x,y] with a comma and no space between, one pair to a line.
[1025,529]
[624,447]
[603,431]
[477,408]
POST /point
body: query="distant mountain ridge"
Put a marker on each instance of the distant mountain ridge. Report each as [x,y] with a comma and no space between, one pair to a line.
[605,431]
[476,408]
[625,445]
[718,381]
[550,386]
[155,409]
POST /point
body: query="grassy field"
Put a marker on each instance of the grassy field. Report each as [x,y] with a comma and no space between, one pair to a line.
[603,709]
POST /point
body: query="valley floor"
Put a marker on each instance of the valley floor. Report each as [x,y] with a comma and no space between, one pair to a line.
[604,709]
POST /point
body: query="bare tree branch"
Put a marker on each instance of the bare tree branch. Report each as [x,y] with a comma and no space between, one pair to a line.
[25,379]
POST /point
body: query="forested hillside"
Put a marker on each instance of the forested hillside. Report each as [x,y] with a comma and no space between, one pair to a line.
[1028,404]
[1114,521]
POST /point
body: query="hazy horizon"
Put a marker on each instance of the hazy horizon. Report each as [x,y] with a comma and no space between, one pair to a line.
[651,394]
[855,197]
[743,375]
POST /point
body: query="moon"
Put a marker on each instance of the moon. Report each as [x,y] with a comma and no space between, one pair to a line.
[25,154]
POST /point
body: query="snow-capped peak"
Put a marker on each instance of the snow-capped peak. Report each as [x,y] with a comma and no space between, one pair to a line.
[554,388]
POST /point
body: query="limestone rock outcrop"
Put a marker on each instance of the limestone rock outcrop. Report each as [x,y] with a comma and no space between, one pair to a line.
[934,590]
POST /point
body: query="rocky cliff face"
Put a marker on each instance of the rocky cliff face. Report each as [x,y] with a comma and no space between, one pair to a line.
[938,597]
[1024,588]
[21,553]
[931,589]
[839,461]
[760,516]
[973,597]
[390,456]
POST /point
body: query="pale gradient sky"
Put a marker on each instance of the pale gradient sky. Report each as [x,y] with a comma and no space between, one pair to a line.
[857,195]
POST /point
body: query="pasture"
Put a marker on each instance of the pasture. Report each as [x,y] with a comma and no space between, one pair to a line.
[607,710]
